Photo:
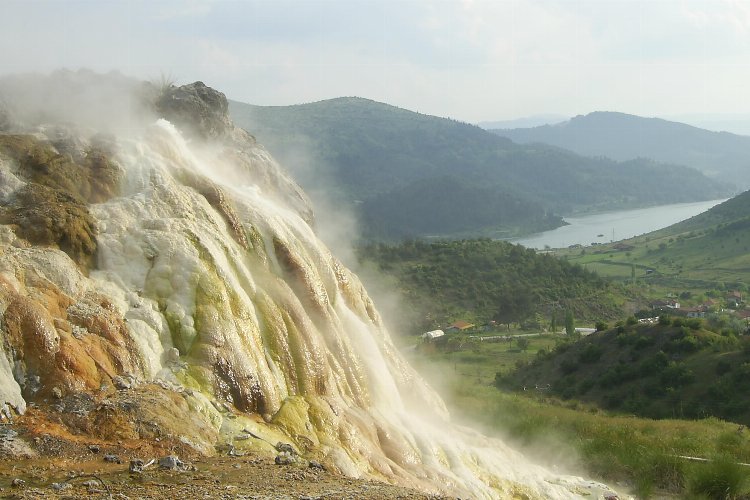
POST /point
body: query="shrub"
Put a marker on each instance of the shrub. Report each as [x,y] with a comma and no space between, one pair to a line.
[642,342]
[601,326]
[694,324]
[676,375]
[721,479]
[723,367]
[568,366]
[590,354]
[654,364]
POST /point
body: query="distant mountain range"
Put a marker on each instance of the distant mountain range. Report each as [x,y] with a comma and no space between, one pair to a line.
[736,123]
[406,174]
[619,136]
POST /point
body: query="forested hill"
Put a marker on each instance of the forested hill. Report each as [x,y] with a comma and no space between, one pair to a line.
[385,162]
[483,280]
[623,137]
[684,368]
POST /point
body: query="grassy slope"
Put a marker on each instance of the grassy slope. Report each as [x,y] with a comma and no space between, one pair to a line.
[710,250]
[574,437]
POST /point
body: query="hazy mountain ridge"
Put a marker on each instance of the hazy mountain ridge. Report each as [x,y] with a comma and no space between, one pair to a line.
[624,137]
[364,152]
[525,122]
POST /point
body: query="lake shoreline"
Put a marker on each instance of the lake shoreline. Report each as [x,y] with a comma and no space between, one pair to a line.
[616,225]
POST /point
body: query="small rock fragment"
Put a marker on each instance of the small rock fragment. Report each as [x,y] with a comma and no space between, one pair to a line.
[170,462]
[7,434]
[121,383]
[285,458]
[94,448]
[57,393]
[136,466]
[113,459]
[285,448]
[18,483]
[61,486]
[316,465]
[93,486]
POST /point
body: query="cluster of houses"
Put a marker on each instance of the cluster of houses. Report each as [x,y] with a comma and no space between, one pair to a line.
[733,301]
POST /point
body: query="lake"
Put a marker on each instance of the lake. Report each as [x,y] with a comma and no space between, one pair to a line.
[599,228]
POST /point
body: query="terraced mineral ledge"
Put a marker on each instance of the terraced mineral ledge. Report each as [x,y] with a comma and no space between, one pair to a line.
[163,291]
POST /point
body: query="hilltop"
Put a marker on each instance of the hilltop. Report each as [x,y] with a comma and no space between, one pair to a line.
[625,137]
[455,179]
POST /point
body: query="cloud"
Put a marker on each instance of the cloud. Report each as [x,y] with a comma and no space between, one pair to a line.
[167,10]
[469,59]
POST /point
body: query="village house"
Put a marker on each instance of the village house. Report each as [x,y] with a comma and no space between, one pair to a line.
[744,314]
[734,299]
[665,304]
[433,334]
[460,326]
[695,312]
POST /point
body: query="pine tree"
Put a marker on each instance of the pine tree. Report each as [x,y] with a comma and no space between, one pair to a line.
[570,328]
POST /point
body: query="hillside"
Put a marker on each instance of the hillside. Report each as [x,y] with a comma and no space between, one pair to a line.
[483,280]
[383,162]
[708,251]
[624,137]
[680,368]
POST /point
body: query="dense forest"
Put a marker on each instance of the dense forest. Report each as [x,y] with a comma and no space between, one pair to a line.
[450,206]
[483,280]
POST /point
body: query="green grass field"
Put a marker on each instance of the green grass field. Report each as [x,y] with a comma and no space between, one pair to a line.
[642,455]
[679,258]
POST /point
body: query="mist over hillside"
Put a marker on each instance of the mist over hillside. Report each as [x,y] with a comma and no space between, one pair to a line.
[720,155]
[384,163]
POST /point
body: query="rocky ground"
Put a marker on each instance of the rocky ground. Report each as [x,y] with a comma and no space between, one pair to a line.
[42,465]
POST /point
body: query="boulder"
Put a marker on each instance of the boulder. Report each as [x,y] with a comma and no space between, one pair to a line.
[198,110]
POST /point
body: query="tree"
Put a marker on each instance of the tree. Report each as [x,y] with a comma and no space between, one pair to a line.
[570,327]
[522,343]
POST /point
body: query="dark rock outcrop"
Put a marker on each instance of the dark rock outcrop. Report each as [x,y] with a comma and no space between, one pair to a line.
[198,110]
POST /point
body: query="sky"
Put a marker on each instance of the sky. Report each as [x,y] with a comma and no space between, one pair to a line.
[471,60]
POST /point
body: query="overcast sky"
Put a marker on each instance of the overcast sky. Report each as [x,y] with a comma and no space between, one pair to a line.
[470,60]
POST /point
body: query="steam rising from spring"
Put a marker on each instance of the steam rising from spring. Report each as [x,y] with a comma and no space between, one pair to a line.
[208,256]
